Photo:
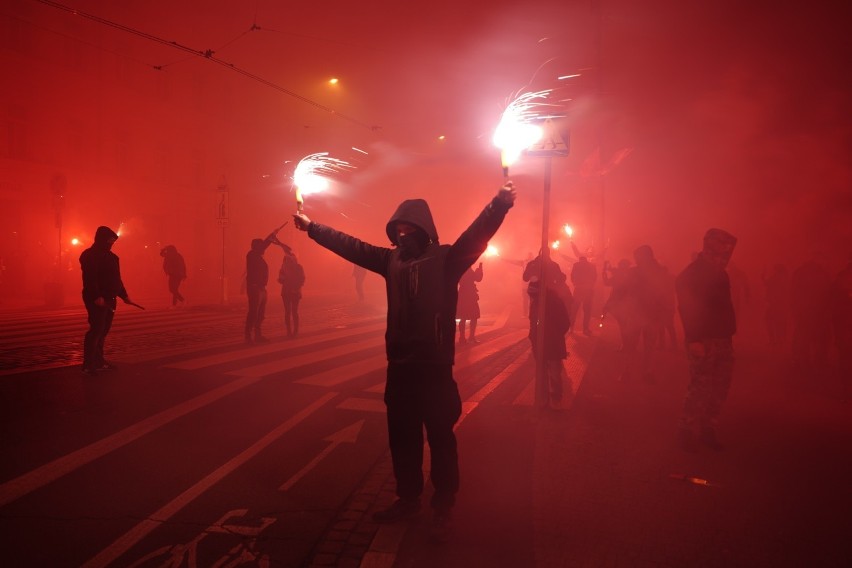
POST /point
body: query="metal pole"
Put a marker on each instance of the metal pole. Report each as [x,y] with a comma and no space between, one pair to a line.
[224,291]
[542,387]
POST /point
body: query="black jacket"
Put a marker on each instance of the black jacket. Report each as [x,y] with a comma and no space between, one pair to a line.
[421,291]
[704,302]
[101,273]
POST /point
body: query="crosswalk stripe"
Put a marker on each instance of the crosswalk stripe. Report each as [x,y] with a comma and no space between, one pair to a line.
[280,365]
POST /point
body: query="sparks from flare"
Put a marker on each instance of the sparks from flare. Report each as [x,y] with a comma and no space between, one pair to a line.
[310,174]
[516,130]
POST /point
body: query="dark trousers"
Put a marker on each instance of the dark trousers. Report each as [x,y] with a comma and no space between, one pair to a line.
[291,312]
[256,309]
[174,285]
[100,321]
[417,395]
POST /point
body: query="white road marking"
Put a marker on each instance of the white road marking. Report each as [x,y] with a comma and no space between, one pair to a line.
[348,435]
[140,531]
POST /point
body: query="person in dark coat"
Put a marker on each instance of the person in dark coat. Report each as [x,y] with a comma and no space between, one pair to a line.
[583,277]
[421,277]
[101,286]
[468,305]
[709,324]
[257,277]
[291,276]
[175,269]
[549,384]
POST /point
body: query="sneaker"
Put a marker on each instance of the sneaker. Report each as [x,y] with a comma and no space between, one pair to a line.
[473,340]
[709,439]
[439,531]
[400,510]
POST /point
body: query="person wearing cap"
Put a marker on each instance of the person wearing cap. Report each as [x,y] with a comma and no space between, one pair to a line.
[257,277]
[422,279]
[709,324]
[101,286]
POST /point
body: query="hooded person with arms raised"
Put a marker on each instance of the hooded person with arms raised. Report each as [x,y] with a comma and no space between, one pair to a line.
[421,278]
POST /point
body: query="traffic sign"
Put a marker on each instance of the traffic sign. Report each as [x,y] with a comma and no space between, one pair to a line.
[552,143]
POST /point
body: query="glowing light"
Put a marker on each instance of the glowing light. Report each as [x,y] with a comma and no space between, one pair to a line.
[516,130]
[491,250]
[75,241]
[554,245]
[442,137]
[568,230]
[569,76]
[333,81]
[309,176]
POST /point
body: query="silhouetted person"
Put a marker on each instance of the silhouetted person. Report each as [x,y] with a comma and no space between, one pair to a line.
[809,288]
[549,384]
[709,324]
[669,308]
[777,315]
[583,277]
[619,303]
[841,319]
[175,269]
[358,272]
[649,297]
[101,286]
[468,304]
[257,277]
[422,289]
[291,276]
[553,277]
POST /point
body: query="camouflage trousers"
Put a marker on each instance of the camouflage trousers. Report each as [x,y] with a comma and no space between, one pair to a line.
[709,382]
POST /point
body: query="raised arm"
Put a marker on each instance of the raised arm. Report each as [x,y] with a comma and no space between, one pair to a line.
[354,250]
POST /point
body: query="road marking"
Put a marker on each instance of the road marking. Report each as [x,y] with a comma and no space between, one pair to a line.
[140,531]
[41,476]
[280,365]
[348,435]
[219,358]
[363,404]
[342,374]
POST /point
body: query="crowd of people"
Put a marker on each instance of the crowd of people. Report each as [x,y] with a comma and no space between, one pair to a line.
[433,304]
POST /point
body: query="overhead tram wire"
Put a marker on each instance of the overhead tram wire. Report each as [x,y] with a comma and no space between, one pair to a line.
[206,54]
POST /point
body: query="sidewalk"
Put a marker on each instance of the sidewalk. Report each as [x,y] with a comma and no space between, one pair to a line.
[604,483]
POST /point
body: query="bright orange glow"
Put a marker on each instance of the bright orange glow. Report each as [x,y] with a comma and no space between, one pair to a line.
[75,241]
[516,132]
[491,250]
[554,245]
[333,81]
[442,137]
[568,231]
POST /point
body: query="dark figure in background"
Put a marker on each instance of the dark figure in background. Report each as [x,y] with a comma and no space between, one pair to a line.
[549,386]
[257,277]
[841,319]
[553,277]
[777,315]
[669,308]
[358,272]
[291,276]
[175,269]
[649,294]
[422,279]
[709,323]
[101,286]
[809,288]
[468,304]
[619,303]
[583,277]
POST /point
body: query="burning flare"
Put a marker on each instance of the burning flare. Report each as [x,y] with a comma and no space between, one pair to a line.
[517,130]
[310,174]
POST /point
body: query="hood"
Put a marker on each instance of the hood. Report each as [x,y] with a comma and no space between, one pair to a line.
[414,212]
[104,234]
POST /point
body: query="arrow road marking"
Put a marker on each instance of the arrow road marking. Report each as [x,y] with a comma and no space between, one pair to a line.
[348,435]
